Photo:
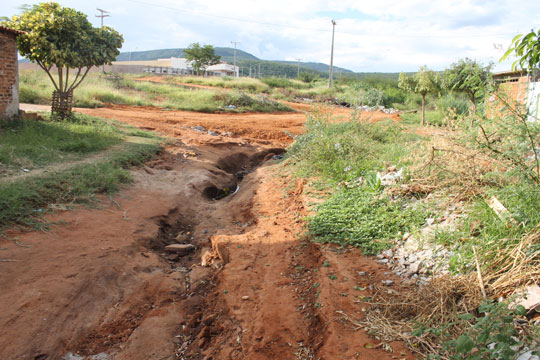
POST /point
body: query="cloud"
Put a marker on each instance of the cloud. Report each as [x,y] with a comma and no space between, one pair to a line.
[382,35]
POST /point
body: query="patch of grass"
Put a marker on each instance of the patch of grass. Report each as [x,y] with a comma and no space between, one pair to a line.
[98,90]
[29,143]
[22,200]
[347,150]
[433,117]
[363,219]
[361,216]
[276,82]
[244,84]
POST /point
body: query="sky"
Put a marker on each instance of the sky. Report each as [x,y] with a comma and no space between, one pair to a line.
[370,35]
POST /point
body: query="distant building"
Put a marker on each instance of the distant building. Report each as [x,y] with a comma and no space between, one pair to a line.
[518,87]
[222,69]
[177,66]
[9,73]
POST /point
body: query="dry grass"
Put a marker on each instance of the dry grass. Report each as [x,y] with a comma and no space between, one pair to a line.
[393,315]
[445,165]
[516,267]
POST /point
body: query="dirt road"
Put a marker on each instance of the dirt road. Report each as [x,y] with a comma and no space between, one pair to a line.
[100,283]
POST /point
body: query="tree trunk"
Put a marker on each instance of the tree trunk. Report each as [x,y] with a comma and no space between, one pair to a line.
[423,108]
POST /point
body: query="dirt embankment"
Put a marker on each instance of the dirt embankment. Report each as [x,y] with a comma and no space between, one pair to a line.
[101,281]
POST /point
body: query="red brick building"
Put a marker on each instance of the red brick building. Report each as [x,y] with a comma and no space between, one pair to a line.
[9,76]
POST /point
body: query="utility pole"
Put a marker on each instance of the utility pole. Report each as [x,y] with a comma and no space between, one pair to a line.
[235,43]
[298,75]
[103,14]
[332,55]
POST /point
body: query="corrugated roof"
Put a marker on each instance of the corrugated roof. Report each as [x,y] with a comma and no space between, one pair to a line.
[6,30]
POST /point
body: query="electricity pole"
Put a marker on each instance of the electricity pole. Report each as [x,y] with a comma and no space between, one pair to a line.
[103,15]
[298,75]
[235,43]
[332,55]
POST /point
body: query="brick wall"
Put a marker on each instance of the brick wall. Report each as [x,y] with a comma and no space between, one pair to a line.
[9,82]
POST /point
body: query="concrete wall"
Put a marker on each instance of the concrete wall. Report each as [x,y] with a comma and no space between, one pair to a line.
[9,77]
[533,101]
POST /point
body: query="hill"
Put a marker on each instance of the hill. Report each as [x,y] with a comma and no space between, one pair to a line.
[224,52]
[244,60]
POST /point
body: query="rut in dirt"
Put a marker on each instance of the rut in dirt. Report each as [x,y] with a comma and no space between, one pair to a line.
[222,206]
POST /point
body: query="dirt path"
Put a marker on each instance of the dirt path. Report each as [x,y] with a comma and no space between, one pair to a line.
[101,282]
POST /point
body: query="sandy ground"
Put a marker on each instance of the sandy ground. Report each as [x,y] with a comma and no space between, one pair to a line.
[100,281]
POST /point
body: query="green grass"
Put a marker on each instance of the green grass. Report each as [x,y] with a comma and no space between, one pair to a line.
[361,216]
[98,90]
[363,219]
[29,143]
[347,150]
[245,84]
[24,199]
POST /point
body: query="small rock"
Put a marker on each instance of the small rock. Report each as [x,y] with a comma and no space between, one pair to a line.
[388,253]
[213,133]
[406,236]
[245,297]
[412,258]
[204,231]
[72,356]
[387,282]
[173,257]
[430,221]
[413,268]
[362,273]
[383,261]
[199,128]
[380,256]
[100,356]
[181,249]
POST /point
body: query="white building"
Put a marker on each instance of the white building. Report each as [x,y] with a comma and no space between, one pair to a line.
[222,69]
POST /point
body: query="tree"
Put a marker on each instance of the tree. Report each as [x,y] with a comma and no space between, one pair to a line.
[526,49]
[62,40]
[307,77]
[201,57]
[469,77]
[425,81]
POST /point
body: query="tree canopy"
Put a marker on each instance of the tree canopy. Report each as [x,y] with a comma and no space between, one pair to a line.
[62,37]
[425,81]
[526,49]
[469,77]
[201,56]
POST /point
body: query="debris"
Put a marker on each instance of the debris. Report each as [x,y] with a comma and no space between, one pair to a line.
[529,297]
[390,178]
[181,249]
[230,107]
[213,133]
[500,210]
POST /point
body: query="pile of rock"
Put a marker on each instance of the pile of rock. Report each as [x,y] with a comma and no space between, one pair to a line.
[377,108]
[416,257]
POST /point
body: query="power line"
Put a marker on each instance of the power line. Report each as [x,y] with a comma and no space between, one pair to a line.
[103,14]
[331,72]
[317,29]
[235,43]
